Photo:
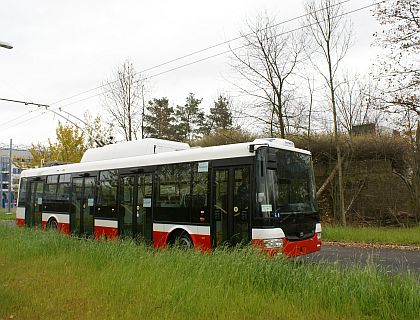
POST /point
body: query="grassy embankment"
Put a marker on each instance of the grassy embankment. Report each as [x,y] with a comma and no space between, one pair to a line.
[392,236]
[45,275]
[4,215]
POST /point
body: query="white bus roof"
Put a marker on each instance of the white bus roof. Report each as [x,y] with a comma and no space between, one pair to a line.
[132,149]
[187,155]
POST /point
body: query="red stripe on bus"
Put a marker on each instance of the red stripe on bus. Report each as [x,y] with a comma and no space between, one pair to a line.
[64,228]
[201,242]
[298,248]
[160,239]
[107,232]
[291,248]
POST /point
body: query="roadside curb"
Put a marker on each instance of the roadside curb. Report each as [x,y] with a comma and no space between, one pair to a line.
[371,245]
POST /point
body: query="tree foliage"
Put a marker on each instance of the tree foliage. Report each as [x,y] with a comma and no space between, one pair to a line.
[98,133]
[220,116]
[69,147]
[189,120]
[225,136]
[158,119]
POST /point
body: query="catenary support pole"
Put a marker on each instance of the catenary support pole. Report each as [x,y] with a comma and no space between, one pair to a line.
[1,182]
[10,178]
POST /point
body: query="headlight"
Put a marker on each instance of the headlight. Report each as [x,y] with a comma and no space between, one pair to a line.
[318,235]
[273,243]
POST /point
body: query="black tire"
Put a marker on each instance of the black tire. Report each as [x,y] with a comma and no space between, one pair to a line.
[183,241]
[52,225]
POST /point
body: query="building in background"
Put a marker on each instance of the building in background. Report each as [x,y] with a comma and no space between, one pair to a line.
[20,157]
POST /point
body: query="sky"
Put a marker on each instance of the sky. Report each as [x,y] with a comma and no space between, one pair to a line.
[64,48]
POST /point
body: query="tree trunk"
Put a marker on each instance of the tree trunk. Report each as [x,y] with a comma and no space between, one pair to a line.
[416,175]
[341,207]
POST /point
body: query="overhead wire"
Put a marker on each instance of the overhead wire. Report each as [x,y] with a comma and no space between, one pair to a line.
[221,53]
[195,61]
[200,51]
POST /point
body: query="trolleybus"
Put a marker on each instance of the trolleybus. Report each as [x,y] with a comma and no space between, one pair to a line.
[165,192]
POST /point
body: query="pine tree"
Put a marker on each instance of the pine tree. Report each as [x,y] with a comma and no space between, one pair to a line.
[190,120]
[220,115]
[158,120]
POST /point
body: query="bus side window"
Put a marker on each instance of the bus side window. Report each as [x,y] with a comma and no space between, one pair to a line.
[22,192]
[107,194]
[173,199]
[199,201]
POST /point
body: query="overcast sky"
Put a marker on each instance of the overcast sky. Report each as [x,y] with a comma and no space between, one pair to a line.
[62,48]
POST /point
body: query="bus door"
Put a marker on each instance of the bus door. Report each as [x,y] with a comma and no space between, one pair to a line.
[34,212]
[136,206]
[231,205]
[83,191]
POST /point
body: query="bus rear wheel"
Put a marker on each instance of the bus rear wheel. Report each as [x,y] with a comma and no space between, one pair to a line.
[53,225]
[182,240]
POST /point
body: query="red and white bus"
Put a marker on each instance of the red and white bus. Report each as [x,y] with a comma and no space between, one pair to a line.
[164,192]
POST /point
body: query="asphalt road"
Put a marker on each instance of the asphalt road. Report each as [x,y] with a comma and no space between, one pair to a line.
[390,260]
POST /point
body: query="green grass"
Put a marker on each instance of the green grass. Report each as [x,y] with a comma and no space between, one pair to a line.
[50,276]
[5,216]
[396,236]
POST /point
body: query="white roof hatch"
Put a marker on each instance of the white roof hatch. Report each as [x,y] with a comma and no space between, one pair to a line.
[132,149]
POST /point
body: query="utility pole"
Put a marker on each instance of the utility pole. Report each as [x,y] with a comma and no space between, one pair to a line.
[10,177]
[4,44]
[1,181]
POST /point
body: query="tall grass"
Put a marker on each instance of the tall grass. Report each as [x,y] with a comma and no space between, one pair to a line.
[45,275]
[397,236]
[5,215]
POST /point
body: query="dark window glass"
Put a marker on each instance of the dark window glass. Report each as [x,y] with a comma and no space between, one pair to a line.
[64,178]
[57,194]
[107,194]
[173,200]
[285,186]
[52,179]
[22,192]
[50,191]
[63,192]
[199,209]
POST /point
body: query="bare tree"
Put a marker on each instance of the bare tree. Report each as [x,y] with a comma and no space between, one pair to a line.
[98,132]
[267,61]
[398,70]
[311,89]
[331,34]
[123,98]
[353,102]
[399,65]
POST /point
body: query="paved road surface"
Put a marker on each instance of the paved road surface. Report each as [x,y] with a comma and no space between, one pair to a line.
[392,260]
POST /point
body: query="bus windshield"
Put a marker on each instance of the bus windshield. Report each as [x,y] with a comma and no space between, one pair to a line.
[285,183]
